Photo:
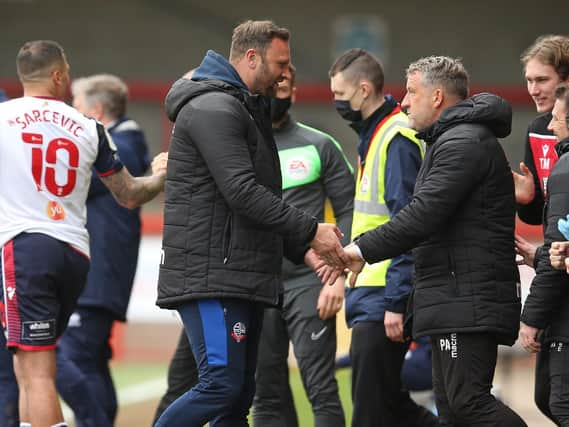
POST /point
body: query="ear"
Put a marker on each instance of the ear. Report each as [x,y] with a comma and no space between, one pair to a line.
[293,95]
[366,88]
[438,97]
[98,111]
[57,76]
[251,56]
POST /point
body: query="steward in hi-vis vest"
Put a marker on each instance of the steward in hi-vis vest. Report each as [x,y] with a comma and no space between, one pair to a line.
[370,207]
[389,158]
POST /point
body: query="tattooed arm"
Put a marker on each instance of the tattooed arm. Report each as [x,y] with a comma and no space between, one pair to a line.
[132,192]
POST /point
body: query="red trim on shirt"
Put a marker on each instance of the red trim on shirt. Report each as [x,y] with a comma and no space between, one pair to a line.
[79,251]
[108,173]
[51,98]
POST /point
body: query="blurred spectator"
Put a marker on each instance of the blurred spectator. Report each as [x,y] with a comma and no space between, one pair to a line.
[389,159]
[83,377]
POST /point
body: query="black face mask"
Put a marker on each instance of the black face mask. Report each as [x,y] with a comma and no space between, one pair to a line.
[279,107]
[345,110]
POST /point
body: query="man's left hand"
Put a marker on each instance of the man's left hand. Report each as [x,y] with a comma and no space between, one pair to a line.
[331,299]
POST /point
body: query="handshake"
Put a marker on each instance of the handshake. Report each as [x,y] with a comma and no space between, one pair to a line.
[329,259]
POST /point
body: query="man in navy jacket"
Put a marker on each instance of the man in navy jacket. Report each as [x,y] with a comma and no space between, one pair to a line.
[83,377]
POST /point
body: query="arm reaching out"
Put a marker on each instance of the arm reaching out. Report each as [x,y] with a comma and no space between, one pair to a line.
[132,192]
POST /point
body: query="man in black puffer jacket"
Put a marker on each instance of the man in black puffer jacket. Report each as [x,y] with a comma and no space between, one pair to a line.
[547,306]
[225,224]
[460,223]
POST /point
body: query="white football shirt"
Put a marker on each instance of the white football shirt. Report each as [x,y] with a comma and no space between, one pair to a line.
[47,152]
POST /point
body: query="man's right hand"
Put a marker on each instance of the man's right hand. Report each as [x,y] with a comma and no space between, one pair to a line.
[354,262]
[558,254]
[524,184]
[326,244]
[159,164]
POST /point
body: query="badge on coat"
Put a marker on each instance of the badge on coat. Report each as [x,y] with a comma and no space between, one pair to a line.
[239,332]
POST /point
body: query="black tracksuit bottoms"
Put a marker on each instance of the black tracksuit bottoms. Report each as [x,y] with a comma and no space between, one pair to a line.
[552,381]
[378,396]
[463,371]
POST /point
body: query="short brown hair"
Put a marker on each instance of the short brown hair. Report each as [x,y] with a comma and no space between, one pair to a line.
[37,58]
[562,94]
[442,71]
[106,89]
[358,64]
[256,35]
[550,50]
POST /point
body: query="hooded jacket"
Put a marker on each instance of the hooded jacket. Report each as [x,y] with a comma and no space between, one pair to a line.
[224,219]
[460,223]
[547,305]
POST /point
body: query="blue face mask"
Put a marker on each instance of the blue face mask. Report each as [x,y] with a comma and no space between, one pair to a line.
[345,110]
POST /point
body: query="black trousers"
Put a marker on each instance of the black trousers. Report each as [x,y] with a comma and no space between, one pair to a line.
[182,375]
[378,396]
[463,371]
[552,382]
[314,345]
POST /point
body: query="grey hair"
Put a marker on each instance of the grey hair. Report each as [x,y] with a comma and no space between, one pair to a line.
[107,89]
[442,71]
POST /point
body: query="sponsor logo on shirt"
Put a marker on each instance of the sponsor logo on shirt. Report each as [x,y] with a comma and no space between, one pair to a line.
[298,168]
[55,211]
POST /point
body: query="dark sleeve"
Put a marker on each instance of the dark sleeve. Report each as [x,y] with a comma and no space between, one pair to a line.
[107,161]
[339,185]
[402,165]
[532,213]
[219,130]
[549,287]
[455,170]
[133,152]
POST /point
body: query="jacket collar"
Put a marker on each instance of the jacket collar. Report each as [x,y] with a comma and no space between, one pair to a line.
[562,147]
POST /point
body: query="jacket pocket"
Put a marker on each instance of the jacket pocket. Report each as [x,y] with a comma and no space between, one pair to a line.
[226,240]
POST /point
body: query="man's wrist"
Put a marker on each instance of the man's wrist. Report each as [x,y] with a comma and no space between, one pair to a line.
[358,250]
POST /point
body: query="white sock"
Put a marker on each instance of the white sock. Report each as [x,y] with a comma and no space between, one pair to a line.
[25,425]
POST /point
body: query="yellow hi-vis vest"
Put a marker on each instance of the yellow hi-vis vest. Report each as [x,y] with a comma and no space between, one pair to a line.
[370,209]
